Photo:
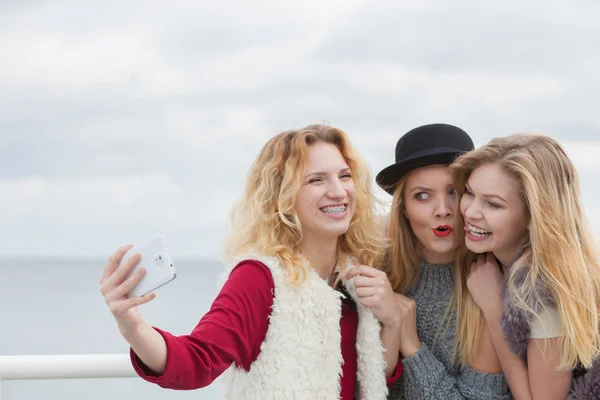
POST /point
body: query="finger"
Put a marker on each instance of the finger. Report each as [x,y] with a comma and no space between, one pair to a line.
[480,260]
[371,272]
[361,270]
[123,289]
[354,272]
[123,271]
[113,261]
[490,258]
[122,306]
[368,291]
[369,301]
[473,268]
[364,281]
[139,300]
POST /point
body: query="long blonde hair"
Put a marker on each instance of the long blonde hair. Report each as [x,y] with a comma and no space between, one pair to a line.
[404,270]
[264,219]
[402,266]
[560,255]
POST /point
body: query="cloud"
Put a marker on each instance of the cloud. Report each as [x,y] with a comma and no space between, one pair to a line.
[119,118]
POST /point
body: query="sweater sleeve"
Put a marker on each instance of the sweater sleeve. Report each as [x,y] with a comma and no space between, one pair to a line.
[426,377]
[231,332]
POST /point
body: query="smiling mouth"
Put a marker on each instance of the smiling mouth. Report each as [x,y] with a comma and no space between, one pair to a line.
[476,232]
[334,210]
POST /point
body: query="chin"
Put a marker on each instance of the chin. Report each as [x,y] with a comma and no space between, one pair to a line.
[444,249]
[477,247]
[337,231]
[445,245]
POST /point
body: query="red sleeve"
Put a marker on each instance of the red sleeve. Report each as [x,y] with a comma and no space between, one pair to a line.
[231,332]
[396,375]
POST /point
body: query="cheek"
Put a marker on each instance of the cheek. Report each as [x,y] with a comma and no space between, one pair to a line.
[304,202]
[350,189]
[451,202]
[465,202]
[416,214]
[515,226]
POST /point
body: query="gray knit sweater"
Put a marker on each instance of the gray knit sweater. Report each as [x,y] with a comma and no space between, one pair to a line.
[431,373]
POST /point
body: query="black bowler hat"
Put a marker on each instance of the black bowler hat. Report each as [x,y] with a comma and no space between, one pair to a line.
[425,145]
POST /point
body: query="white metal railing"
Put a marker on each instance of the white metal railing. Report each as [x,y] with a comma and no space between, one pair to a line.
[77,366]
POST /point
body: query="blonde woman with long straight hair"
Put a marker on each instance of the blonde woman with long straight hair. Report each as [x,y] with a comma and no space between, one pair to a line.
[437,313]
[286,324]
[522,208]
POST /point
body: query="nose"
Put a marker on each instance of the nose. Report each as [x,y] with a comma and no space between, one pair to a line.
[336,189]
[470,209]
[445,207]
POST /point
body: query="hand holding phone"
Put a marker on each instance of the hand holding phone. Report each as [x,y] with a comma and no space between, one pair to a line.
[155,259]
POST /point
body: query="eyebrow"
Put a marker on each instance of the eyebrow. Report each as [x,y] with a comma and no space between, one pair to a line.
[488,195]
[421,189]
[325,173]
[427,189]
[494,196]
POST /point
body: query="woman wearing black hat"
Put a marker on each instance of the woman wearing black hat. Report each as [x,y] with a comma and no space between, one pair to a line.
[443,357]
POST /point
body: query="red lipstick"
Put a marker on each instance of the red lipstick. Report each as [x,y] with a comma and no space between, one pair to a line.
[442,230]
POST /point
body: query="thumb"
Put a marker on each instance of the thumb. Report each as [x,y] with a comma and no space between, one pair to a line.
[490,258]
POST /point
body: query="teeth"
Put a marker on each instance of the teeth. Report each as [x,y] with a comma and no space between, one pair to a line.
[334,210]
[478,232]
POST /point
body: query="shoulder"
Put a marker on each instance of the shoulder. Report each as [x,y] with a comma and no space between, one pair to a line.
[546,324]
[250,275]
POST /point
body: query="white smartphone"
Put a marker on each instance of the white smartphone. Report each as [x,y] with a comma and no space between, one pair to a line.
[159,266]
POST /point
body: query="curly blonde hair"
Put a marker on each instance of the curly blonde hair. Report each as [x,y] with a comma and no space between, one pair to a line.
[264,219]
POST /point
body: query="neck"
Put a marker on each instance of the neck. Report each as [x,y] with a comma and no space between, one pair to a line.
[322,254]
[505,259]
[508,256]
[431,257]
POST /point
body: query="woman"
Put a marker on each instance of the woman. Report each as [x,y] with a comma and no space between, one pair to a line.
[278,326]
[521,207]
[441,359]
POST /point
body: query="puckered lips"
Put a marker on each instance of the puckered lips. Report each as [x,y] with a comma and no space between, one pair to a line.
[476,233]
[337,211]
[442,230]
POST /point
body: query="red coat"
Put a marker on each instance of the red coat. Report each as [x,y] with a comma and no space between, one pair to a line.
[232,332]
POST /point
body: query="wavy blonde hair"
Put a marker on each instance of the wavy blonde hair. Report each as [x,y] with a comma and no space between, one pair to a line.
[403,268]
[560,255]
[264,219]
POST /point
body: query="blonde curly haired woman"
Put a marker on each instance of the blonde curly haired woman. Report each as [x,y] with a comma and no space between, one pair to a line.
[287,324]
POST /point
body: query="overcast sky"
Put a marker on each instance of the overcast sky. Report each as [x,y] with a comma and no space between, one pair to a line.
[119,119]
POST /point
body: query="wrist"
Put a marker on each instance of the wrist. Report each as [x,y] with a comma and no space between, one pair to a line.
[392,325]
[493,311]
[131,330]
[410,348]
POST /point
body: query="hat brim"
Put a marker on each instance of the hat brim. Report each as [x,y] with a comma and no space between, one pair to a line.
[390,176]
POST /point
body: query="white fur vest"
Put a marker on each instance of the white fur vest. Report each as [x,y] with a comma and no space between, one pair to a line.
[301,356]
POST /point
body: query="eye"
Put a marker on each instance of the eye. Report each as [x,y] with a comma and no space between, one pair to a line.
[346,176]
[452,192]
[422,196]
[315,180]
[493,205]
[468,192]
